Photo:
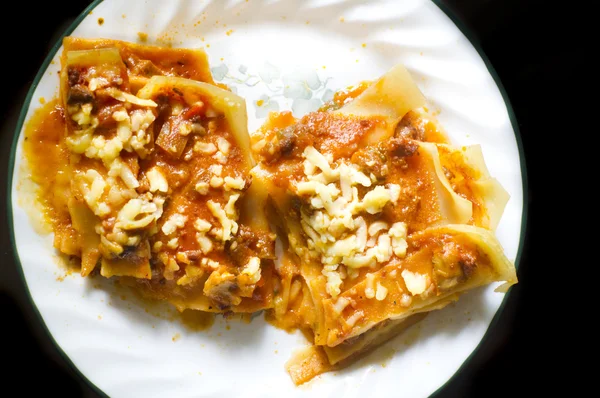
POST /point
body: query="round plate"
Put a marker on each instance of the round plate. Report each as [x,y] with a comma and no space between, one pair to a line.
[281,54]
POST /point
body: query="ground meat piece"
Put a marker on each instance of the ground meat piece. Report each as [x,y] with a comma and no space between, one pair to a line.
[80,94]
[280,143]
[411,127]
[287,141]
[105,119]
[296,206]
[222,289]
[134,255]
[146,68]
[163,107]
[74,76]
[468,263]
[142,67]
[194,255]
[401,147]
[248,243]
[371,160]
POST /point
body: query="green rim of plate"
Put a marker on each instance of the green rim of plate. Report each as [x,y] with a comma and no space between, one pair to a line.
[11,166]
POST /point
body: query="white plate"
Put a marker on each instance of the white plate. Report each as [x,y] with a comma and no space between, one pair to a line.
[292,54]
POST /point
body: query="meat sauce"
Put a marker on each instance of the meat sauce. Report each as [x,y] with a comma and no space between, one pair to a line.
[281,143]
[283,140]
[52,167]
[48,161]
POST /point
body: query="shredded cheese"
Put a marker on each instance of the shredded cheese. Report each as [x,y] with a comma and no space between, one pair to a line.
[229,226]
[252,269]
[234,183]
[173,223]
[335,225]
[415,283]
[223,145]
[173,243]
[132,99]
[340,304]
[381,292]
[157,180]
[202,187]
[355,317]
[203,147]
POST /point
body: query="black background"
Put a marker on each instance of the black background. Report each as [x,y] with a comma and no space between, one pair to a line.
[533,45]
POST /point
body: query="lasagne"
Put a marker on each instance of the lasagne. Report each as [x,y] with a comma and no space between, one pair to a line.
[384,219]
[158,164]
[149,176]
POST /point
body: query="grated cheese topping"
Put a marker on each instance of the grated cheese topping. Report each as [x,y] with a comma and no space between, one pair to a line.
[228,225]
[129,205]
[173,223]
[415,283]
[133,211]
[157,180]
[252,269]
[206,148]
[335,219]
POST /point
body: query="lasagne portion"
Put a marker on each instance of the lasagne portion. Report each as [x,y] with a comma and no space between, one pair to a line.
[384,218]
[159,164]
[150,178]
